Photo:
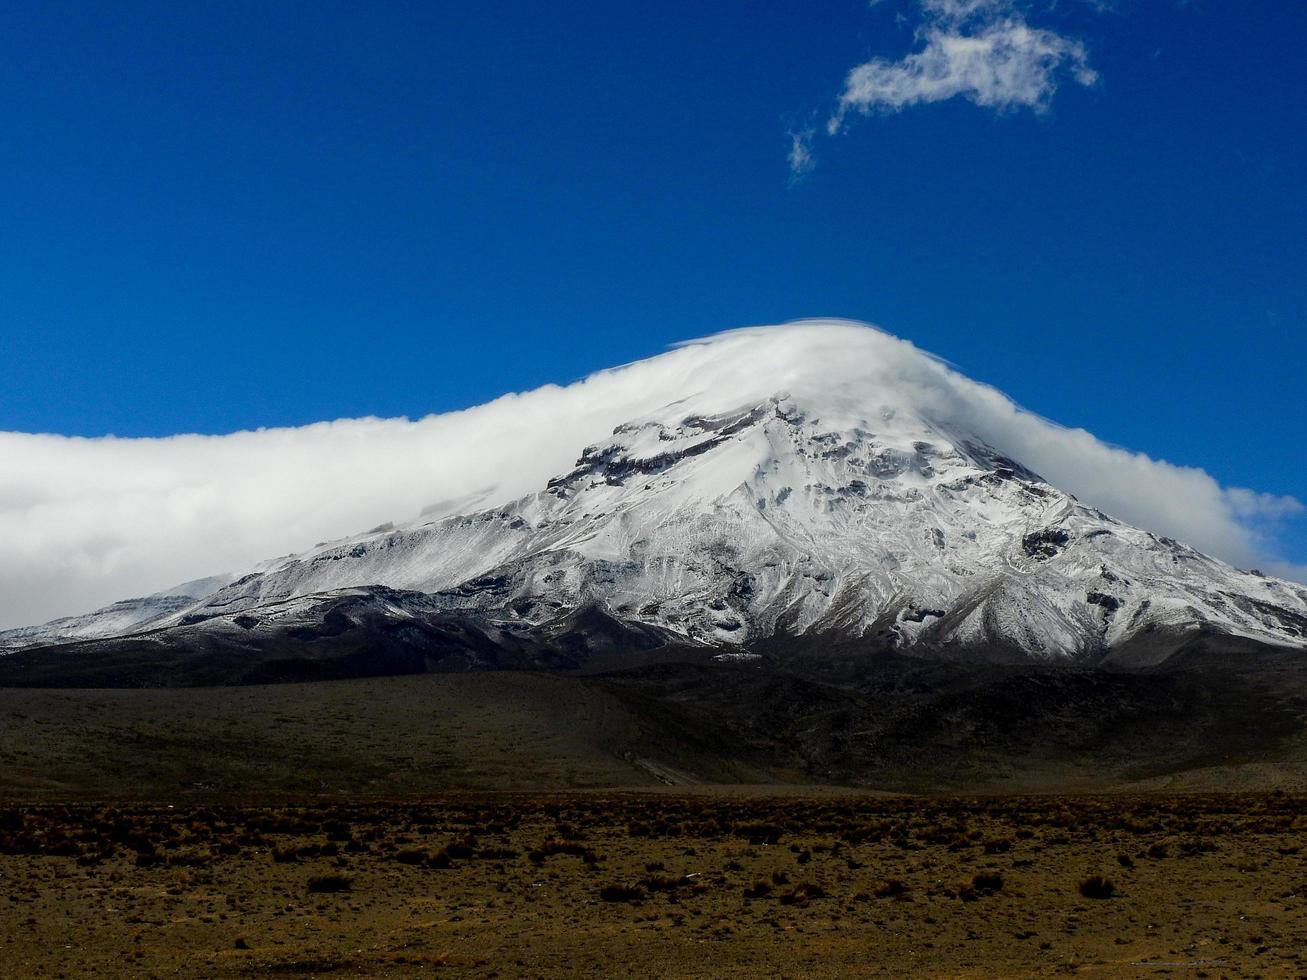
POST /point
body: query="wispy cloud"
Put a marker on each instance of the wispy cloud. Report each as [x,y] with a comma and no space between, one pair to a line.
[801,158]
[1253,505]
[984,51]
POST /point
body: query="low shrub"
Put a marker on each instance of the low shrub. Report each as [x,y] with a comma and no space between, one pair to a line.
[665,883]
[330,883]
[981,886]
[760,833]
[1096,886]
[621,893]
[802,893]
[891,888]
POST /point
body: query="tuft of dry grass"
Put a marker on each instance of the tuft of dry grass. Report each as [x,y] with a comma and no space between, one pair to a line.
[621,893]
[1098,887]
[320,884]
[891,888]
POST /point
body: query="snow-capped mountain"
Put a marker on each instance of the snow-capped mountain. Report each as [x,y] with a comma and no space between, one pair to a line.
[123,617]
[820,513]
[728,529]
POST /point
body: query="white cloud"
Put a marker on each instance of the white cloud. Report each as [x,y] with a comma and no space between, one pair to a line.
[980,50]
[955,12]
[1263,506]
[801,159]
[1005,65]
[86,521]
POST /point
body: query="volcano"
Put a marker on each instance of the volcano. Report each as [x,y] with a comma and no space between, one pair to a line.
[821,484]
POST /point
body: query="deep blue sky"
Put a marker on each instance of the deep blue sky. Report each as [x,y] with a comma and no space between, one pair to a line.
[220,216]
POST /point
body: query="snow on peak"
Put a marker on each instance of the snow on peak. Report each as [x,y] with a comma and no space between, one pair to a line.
[722,528]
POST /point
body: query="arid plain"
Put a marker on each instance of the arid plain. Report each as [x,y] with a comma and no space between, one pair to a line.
[621,884]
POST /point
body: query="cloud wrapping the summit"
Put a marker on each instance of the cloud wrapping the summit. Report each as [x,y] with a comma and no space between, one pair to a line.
[84,521]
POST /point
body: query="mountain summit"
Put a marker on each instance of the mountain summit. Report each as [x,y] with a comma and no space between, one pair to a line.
[823,482]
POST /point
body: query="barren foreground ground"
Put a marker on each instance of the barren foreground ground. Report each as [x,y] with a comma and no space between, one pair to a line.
[659,885]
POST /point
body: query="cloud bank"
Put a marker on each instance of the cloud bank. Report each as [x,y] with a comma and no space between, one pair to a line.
[84,522]
[983,51]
